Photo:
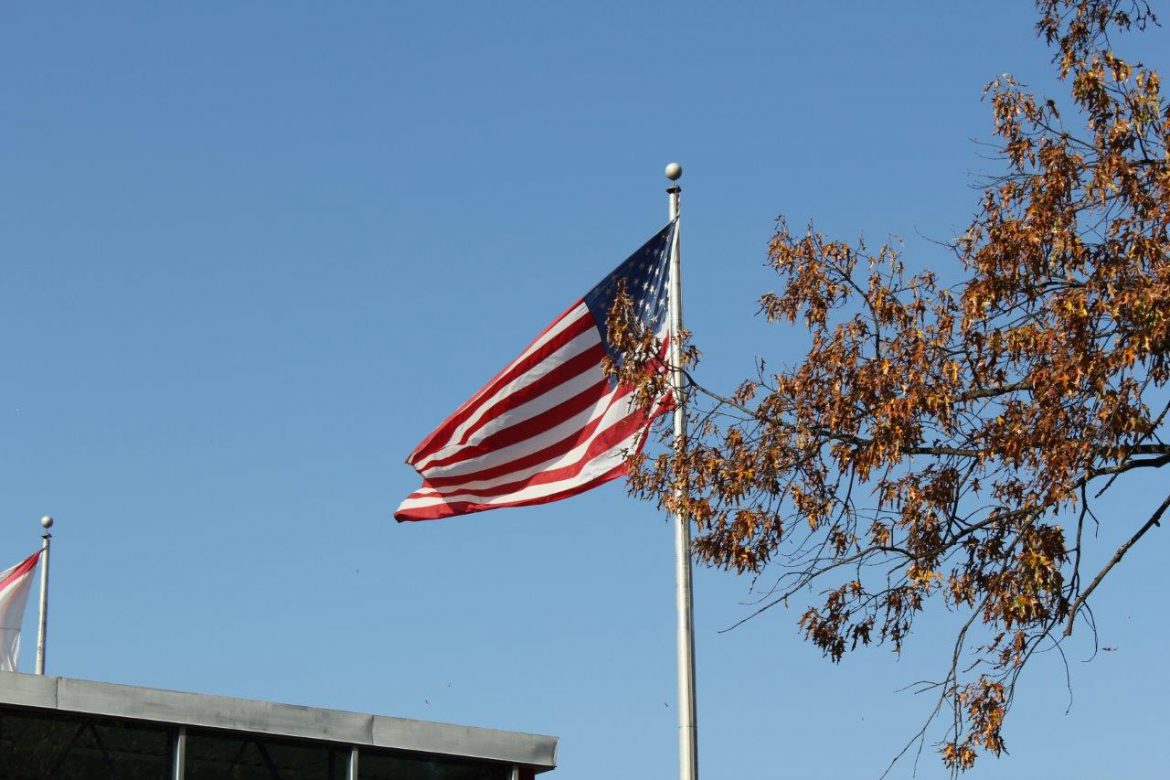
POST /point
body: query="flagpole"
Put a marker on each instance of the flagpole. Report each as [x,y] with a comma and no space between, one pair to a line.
[688,752]
[43,623]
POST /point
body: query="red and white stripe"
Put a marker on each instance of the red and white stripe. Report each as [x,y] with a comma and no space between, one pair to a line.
[548,426]
[14,586]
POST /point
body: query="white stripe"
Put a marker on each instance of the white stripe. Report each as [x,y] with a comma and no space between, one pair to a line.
[566,320]
[499,456]
[503,455]
[556,395]
[562,354]
[565,353]
[614,414]
[595,468]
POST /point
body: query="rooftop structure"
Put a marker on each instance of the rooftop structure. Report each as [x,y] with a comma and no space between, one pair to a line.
[54,727]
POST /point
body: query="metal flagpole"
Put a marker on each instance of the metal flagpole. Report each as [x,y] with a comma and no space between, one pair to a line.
[43,625]
[688,752]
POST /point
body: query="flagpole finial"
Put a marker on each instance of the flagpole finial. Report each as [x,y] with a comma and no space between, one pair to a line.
[673,171]
[46,522]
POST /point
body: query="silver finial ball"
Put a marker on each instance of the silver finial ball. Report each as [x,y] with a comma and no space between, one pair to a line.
[46,522]
[673,171]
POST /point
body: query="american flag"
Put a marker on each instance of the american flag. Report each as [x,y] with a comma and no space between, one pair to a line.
[550,425]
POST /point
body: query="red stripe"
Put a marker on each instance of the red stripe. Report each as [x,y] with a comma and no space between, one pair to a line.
[22,569]
[549,452]
[439,437]
[514,435]
[438,511]
[568,370]
[611,436]
[441,510]
[546,453]
[526,429]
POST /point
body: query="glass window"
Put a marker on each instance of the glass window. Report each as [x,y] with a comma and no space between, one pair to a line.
[37,744]
[388,766]
[223,756]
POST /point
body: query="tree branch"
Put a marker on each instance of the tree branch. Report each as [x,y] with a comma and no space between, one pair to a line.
[1154,520]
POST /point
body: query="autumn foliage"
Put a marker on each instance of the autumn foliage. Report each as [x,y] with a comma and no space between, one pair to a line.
[945,445]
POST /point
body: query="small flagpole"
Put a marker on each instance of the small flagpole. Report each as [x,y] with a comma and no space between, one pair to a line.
[43,624]
[688,750]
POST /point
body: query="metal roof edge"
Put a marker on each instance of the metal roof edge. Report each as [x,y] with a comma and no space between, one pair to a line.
[286,720]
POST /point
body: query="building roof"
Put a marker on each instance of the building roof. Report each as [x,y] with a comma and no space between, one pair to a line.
[286,720]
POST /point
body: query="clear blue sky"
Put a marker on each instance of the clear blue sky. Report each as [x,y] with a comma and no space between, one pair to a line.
[250,253]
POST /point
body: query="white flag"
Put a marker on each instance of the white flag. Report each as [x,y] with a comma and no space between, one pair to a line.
[14,585]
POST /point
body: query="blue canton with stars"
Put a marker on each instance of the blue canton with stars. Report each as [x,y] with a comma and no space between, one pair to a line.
[646,273]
